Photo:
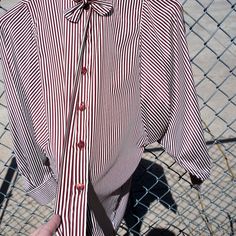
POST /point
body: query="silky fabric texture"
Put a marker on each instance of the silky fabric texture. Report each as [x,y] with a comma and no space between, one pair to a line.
[114,206]
[136,88]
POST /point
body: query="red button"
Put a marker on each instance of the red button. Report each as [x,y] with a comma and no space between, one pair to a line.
[82,106]
[83,70]
[80,186]
[81,144]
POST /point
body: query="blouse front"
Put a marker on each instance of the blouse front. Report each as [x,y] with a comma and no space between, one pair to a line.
[135,88]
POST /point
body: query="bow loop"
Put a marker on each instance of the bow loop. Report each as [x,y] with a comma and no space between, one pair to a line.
[101,7]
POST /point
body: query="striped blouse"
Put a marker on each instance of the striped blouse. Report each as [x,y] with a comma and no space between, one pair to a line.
[88,86]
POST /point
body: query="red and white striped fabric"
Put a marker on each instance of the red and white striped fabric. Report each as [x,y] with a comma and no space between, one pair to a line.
[135,88]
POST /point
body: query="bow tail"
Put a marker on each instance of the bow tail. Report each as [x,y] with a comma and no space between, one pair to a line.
[73,14]
[102,8]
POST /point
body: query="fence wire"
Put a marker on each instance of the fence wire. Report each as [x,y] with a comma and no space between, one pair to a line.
[162,200]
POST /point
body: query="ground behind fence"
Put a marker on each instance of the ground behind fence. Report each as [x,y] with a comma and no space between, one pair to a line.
[163,201]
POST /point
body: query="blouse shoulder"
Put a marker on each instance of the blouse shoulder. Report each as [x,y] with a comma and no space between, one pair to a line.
[168,4]
[13,18]
[166,7]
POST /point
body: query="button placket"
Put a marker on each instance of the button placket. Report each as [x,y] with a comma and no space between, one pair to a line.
[76,149]
[82,121]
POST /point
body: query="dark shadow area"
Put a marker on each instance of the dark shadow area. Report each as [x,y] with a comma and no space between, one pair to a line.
[160,232]
[7,180]
[6,187]
[149,184]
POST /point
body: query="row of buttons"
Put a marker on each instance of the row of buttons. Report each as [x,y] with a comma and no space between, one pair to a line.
[81,107]
[81,144]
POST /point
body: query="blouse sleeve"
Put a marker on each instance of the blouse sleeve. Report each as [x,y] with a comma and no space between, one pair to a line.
[25,104]
[169,101]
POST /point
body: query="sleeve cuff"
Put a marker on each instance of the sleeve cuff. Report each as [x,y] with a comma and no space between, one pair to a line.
[44,193]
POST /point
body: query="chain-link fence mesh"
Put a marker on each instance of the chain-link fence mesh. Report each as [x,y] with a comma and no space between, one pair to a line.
[162,200]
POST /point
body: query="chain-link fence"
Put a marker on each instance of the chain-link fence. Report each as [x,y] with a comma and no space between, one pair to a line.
[163,201]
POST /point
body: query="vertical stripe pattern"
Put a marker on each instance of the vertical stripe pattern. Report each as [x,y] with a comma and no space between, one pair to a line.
[135,87]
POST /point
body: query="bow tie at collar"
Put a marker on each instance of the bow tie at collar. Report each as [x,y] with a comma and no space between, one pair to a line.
[102,7]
